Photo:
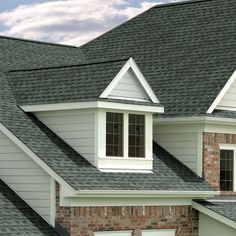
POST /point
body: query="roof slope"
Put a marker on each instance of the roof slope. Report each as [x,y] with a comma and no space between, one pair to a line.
[84,82]
[186,51]
[226,209]
[17,218]
[169,173]
[19,54]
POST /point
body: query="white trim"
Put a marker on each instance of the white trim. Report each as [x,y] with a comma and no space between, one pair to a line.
[126,171]
[145,193]
[195,120]
[199,153]
[222,93]
[130,64]
[229,146]
[97,104]
[225,108]
[53,202]
[125,201]
[34,157]
[214,215]
[116,232]
[146,232]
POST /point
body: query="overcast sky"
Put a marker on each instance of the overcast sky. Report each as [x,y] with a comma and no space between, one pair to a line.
[67,21]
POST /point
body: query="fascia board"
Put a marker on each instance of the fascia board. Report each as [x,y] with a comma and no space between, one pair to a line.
[96,104]
[144,193]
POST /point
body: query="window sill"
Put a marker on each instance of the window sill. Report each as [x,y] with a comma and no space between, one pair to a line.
[122,163]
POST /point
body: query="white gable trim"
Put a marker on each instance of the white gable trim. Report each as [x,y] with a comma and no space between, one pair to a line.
[35,158]
[222,93]
[214,215]
[130,64]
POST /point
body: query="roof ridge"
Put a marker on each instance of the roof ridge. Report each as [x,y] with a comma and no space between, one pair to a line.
[183,2]
[37,41]
[68,66]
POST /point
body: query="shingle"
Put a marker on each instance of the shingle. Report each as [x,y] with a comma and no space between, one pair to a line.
[186,51]
[17,218]
[83,82]
[224,208]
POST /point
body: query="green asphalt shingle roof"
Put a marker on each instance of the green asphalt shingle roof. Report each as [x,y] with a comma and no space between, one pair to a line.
[17,218]
[83,82]
[186,51]
[17,54]
[224,208]
[169,174]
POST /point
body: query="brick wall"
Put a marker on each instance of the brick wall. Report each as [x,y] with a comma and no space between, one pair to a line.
[211,157]
[82,221]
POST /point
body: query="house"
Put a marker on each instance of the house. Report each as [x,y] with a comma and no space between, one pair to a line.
[133,133]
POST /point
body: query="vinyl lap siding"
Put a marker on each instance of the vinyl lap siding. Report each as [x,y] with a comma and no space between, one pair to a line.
[77,128]
[183,146]
[25,177]
[128,87]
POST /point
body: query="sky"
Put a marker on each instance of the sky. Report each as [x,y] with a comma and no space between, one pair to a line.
[72,22]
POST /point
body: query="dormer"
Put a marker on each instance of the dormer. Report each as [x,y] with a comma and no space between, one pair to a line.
[114,131]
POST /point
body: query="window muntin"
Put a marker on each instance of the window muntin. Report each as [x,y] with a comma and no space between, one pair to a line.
[114,134]
[136,135]
[226,170]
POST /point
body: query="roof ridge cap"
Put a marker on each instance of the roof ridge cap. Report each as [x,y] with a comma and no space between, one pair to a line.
[67,66]
[37,41]
[182,2]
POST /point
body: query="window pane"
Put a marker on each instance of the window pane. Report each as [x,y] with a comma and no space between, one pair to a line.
[226,170]
[114,134]
[136,135]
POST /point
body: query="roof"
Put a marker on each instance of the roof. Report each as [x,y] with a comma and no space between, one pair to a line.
[21,54]
[168,172]
[84,82]
[17,218]
[186,51]
[224,208]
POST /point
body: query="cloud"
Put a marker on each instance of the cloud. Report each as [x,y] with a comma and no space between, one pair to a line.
[69,21]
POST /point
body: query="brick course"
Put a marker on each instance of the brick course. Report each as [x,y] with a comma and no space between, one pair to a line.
[83,221]
[211,157]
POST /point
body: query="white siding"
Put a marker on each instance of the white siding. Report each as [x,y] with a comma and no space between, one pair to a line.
[75,127]
[129,87]
[182,145]
[209,226]
[229,99]
[25,177]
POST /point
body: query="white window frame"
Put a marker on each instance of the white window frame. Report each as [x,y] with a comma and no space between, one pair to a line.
[159,232]
[233,148]
[125,162]
[114,233]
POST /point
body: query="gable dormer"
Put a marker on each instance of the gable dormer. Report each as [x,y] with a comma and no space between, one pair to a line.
[113,131]
[130,84]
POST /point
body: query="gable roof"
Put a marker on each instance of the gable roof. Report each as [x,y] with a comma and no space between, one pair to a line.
[17,218]
[187,51]
[27,54]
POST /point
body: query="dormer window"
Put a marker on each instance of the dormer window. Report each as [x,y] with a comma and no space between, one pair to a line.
[136,135]
[127,142]
[114,134]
